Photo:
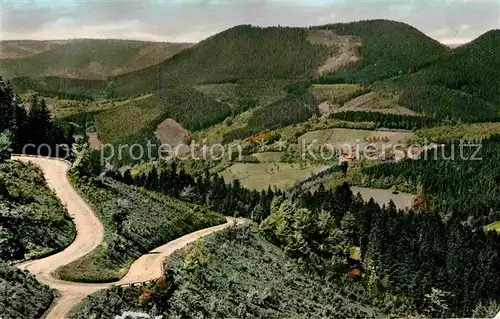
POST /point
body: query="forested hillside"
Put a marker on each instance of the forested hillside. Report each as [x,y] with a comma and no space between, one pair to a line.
[320,253]
[413,264]
[242,52]
[246,68]
[461,85]
[459,184]
[83,58]
[243,275]
[388,48]
[33,223]
[26,126]
[264,54]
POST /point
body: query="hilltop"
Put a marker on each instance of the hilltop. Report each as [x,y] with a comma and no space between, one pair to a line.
[248,52]
[463,84]
[388,48]
[82,58]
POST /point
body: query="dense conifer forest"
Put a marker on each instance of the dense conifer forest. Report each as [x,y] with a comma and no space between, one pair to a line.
[402,50]
[458,183]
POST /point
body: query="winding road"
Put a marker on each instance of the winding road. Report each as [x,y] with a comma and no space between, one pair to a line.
[90,234]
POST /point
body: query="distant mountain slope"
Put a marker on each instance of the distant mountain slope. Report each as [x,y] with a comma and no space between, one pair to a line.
[384,48]
[387,48]
[362,52]
[240,53]
[82,58]
[463,84]
[19,49]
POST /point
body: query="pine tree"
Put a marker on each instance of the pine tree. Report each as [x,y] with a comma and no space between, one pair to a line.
[6,105]
[19,127]
[5,146]
[39,121]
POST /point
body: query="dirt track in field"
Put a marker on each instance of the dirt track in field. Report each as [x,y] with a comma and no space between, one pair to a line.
[90,233]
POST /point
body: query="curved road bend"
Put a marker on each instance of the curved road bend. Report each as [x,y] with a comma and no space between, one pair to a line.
[90,233]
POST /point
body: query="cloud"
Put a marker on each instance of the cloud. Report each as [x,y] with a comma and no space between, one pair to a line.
[193,20]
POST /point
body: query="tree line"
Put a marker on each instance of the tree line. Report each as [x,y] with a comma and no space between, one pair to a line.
[393,121]
[205,189]
[23,124]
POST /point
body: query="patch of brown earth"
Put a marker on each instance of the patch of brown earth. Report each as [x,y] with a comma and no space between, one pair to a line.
[94,142]
[326,108]
[170,132]
[346,49]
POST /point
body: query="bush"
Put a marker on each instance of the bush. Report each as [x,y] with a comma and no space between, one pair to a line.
[22,295]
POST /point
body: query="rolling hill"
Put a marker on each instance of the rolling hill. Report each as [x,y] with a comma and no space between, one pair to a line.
[19,49]
[368,50]
[388,48]
[462,84]
[82,58]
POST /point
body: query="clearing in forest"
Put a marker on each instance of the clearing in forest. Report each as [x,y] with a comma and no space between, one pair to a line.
[263,175]
[383,196]
[170,132]
[346,48]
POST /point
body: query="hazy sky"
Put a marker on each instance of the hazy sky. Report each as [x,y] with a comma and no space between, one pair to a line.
[192,20]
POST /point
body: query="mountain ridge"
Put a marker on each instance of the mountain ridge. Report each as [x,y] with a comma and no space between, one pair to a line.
[82,58]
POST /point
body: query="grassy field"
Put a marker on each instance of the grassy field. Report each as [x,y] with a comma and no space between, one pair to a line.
[338,93]
[263,175]
[116,124]
[374,102]
[216,133]
[268,157]
[493,226]
[339,136]
[63,108]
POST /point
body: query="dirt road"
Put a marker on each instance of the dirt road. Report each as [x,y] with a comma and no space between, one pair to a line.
[90,233]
